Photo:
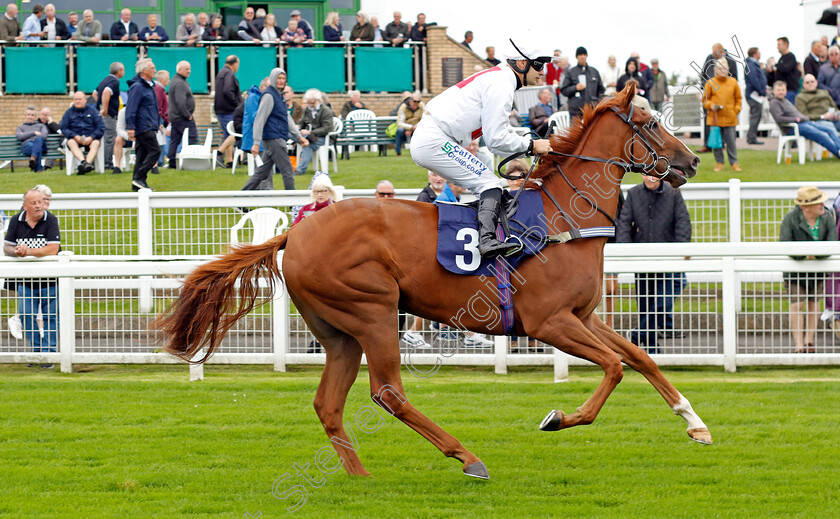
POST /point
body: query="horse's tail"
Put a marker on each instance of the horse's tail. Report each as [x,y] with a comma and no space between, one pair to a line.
[208,305]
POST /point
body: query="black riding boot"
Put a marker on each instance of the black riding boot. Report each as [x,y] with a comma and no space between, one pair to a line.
[489,207]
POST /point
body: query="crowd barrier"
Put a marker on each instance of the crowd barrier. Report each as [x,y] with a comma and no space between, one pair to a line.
[67,66]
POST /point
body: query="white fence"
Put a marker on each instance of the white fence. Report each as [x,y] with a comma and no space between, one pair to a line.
[733,311]
[198,223]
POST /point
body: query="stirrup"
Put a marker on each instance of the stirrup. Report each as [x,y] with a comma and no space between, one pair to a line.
[518,249]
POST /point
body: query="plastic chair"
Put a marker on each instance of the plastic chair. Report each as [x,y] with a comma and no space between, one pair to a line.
[238,153]
[785,142]
[323,158]
[197,156]
[561,121]
[360,115]
[72,162]
[267,223]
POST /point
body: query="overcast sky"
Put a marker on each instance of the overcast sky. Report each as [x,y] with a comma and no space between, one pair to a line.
[675,31]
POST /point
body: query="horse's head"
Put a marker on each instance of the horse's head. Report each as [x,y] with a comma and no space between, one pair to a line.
[650,147]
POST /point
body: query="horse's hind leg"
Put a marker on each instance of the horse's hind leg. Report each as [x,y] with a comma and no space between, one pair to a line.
[387,391]
[640,361]
[567,333]
[344,356]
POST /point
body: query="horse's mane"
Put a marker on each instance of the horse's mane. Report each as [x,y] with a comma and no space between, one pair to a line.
[570,139]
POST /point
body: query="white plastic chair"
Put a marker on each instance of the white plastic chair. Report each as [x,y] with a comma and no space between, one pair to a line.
[197,156]
[329,148]
[785,142]
[238,153]
[562,121]
[361,115]
[267,223]
[72,162]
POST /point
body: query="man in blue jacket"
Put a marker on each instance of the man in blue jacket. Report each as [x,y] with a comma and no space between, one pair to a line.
[756,92]
[83,127]
[142,121]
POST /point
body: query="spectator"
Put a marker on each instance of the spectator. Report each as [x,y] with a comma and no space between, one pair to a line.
[249,112]
[161,82]
[722,101]
[217,31]
[203,23]
[121,142]
[52,27]
[769,68]
[188,32]
[385,189]
[581,84]
[247,30]
[377,32]
[269,31]
[631,71]
[756,92]
[354,103]
[610,76]
[9,25]
[72,22]
[786,69]
[808,221]
[31,30]
[124,29]
[293,35]
[363,30]
[829,76]
[294,108]
[89,29]
[646,73]
[32,135]
[322,193]
[491,56]
[832,300]
[403,97]
[396,32]
[468,38]
[658,88]
[815,58]
[653,213]
[228,95]
[181,108]
[418,30]
[817,104]
[259,18]
[315,124]
[332,28]
[83,127]
[718,52]
[433,189]
[554,71]
[153,32]
[227,145]
[52,129]
[271,129]
[408,117]
[303,24]
[35,232]
[108,103]
[539,113]
[142,121]
[639,100]
[784,113]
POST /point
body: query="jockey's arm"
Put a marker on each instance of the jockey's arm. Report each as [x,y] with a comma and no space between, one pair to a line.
[495,107]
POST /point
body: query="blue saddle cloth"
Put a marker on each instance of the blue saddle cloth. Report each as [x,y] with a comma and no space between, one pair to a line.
[457,248]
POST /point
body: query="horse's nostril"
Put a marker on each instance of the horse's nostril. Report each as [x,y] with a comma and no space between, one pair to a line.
[695,162]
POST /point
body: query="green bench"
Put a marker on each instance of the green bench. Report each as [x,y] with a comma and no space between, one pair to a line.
[365,132]
[10,149]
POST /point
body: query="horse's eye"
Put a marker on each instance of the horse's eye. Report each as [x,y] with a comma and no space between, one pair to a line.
[653,124]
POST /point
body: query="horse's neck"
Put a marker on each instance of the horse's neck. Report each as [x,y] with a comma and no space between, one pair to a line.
[595,181]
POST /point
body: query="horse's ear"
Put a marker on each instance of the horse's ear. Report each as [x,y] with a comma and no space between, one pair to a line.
[629,92]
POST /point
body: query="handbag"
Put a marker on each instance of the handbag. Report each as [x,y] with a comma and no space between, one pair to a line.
[391,130]
[714,141]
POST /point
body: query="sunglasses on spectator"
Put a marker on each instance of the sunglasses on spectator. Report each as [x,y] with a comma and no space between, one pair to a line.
[380,193]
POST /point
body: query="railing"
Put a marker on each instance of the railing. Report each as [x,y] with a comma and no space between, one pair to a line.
[67,66]
[198,223]
[733,311]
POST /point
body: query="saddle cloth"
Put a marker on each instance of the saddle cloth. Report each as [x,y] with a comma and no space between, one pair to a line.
[457,247]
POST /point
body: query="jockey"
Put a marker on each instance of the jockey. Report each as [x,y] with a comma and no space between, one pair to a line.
[479,105]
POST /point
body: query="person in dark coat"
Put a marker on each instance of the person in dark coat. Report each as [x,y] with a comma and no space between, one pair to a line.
[228,95]
[654,212]
[124,29]
[83,127]
[363,30]
[181,108]
[631,71]
[53,28]
[581,84]
[142,122]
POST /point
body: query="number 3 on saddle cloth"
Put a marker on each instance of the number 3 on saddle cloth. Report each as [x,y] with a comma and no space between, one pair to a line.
[457,248]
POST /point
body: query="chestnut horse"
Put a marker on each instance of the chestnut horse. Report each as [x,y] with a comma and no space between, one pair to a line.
[350,267]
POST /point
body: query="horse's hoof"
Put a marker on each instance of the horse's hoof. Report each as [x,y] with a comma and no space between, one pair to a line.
[701,435]
[553,421]
[477,470]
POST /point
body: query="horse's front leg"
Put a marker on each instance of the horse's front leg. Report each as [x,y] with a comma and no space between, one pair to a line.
[567,333]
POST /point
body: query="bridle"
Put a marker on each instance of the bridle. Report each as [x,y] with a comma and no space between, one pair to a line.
[635,167]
